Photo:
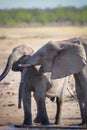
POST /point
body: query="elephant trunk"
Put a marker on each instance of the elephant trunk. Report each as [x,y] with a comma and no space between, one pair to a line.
[8,67]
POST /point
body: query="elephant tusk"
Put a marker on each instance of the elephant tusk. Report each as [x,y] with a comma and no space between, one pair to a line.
[24,65]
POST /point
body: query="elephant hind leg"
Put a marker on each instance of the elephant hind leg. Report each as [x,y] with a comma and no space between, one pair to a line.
[58,112]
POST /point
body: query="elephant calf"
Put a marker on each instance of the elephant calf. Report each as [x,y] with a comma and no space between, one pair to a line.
[42,87]
[34,81]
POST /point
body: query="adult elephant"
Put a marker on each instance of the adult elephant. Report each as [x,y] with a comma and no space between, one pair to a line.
[35,81]
[63,58]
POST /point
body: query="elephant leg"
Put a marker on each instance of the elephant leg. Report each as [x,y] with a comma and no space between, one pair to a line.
[82,110]
[84,104]
[81,101]
[37,118]
[58,111]
[20,95]
[82,96]
[27,108]
[41,107]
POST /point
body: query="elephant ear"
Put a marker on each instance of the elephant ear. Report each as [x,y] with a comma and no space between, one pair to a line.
[70,59]
[21,50]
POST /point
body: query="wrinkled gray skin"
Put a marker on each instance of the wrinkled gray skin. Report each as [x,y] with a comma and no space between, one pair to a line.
[36,82]
[63,58]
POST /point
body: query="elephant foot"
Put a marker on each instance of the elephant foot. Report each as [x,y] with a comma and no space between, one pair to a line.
[26,122]
[45,121]
[37,119]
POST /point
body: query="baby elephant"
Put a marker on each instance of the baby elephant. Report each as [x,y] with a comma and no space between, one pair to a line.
[33,80]
[42,86]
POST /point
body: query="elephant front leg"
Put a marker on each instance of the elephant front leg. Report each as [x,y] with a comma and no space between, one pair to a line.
[41,108]
[27,109]
[84,112]
[43,113]
[83,109]
[84,119]
[81,90]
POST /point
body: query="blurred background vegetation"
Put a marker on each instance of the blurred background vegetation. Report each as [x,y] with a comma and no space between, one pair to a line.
[56,16]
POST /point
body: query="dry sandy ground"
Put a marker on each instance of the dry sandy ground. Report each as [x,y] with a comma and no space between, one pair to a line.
[35,38]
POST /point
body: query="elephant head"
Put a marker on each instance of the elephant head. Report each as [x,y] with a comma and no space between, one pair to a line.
[16,54]
[62,58]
